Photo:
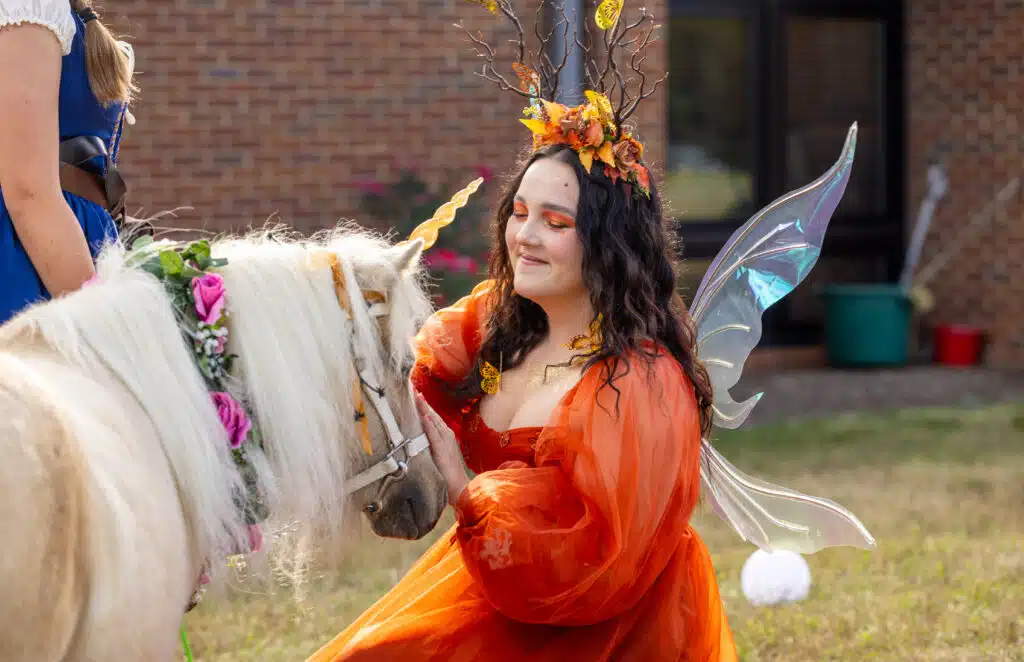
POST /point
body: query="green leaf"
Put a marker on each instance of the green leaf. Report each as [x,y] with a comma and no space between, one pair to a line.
[255,437]
[218,262]
[154,267]
[142,242]
[171,262]
[199,251]
[188,271]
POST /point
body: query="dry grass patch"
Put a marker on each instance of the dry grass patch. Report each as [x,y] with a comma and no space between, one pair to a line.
[942,491]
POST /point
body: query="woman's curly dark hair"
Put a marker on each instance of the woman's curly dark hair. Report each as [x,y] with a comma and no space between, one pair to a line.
[628,258]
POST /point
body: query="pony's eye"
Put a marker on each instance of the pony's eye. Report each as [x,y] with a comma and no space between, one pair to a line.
[371,507]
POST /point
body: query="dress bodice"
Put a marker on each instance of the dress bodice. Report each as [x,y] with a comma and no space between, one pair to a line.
[485,449]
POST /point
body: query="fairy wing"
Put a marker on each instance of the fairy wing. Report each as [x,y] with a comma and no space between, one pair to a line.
[762,262]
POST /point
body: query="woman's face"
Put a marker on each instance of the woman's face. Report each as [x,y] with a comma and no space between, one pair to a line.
[543,248]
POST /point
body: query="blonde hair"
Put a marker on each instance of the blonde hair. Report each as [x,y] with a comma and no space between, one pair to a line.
[110,72]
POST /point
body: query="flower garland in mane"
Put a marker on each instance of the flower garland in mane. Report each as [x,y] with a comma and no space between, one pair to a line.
[199,298]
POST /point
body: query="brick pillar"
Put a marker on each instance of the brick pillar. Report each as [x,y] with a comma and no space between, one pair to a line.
[965,74]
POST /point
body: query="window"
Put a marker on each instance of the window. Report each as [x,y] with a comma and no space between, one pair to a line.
[710,169]
[761,94]
[834,76]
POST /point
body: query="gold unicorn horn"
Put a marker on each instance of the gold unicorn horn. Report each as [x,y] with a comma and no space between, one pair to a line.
[445,214]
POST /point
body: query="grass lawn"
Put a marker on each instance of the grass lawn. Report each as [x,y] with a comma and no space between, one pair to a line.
[942,492]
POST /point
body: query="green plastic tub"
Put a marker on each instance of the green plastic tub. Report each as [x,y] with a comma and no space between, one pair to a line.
[866,325]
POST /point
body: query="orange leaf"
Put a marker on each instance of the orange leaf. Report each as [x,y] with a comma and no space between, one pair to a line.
[529,80]
[555,111]
[642,177]
[605,153]
[539,127]
[587,159]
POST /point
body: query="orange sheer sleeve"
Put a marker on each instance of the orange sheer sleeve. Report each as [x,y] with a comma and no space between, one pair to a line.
[582,536]
[446,348]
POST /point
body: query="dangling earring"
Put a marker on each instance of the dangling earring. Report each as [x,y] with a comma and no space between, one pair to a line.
[491,382]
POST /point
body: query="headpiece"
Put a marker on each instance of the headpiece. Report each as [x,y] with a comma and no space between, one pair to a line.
[595,129]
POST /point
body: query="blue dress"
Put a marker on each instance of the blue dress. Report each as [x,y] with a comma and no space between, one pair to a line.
[80,113]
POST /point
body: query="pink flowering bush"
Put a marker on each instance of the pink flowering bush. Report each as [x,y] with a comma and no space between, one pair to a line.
[458,260]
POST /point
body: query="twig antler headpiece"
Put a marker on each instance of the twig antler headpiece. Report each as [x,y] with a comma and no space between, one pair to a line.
[595,129]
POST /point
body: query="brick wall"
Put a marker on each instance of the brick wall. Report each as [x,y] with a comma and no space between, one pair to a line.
[965,64]
[250,108]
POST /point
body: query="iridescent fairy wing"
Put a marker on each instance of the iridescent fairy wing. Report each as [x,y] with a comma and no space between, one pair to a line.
[760,264]
[774,517]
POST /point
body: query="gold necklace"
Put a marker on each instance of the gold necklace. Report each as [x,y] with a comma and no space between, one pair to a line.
[490,382]
[542,375]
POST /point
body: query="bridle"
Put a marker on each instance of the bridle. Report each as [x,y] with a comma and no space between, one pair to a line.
[396,463]
[402,449]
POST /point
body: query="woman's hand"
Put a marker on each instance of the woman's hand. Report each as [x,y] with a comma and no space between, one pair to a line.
[445,450]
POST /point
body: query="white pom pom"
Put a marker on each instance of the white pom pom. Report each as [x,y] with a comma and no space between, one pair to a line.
[771,578]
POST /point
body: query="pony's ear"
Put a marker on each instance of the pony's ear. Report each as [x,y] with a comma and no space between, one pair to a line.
[404,255]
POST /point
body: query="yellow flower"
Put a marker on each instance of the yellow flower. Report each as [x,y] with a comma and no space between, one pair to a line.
[602,107]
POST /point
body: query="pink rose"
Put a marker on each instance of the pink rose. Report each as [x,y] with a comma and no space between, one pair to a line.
[208,292]
[233,417]
[255,538]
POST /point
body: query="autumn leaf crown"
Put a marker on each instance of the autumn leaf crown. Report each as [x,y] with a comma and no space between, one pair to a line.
[595,129]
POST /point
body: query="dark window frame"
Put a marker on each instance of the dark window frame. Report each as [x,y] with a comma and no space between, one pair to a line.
[849,235]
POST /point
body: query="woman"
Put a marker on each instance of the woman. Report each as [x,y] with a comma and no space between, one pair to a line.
[65,85]
[569,385]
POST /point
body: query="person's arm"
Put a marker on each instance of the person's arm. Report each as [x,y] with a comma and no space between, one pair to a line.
[30,67]
[446,348]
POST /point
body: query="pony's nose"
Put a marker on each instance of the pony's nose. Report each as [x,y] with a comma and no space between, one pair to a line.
[403,513]
[419,506]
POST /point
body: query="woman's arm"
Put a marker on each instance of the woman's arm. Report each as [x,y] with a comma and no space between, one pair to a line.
[30,66]
[446,348]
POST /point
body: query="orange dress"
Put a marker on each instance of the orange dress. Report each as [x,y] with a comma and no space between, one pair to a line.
[573,540]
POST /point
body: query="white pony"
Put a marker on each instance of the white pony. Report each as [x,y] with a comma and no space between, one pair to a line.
[118,483]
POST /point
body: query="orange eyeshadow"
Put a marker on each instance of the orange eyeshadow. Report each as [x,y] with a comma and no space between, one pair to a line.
[561,219]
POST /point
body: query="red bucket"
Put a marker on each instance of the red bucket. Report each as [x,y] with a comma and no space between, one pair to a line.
[958,344]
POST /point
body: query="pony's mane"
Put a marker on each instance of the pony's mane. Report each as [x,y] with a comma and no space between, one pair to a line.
[294,367]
